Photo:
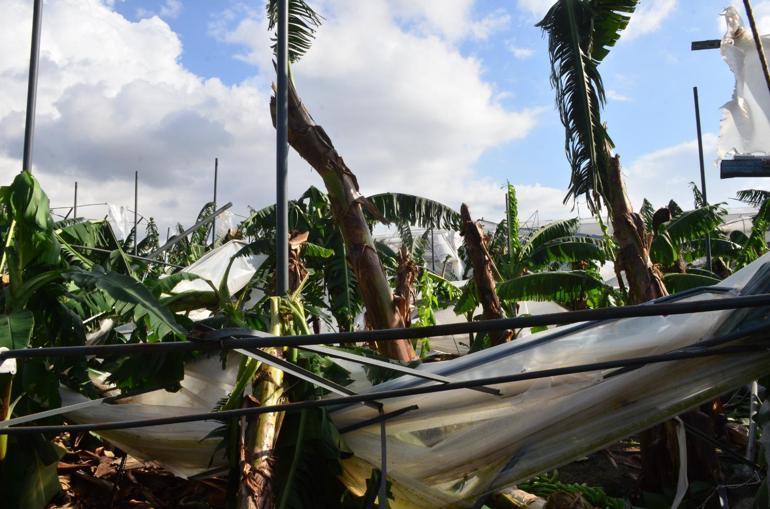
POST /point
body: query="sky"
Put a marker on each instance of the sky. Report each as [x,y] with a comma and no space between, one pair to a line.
[447,99]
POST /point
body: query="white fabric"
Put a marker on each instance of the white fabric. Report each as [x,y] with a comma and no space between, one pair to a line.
[118,219]
[682,484]
[212,266]
[8,366]
[745,127]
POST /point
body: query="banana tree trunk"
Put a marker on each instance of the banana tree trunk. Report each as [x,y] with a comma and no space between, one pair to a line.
[659,449]
[406,273]
[644,280]
[313,144]
[483,274]
[256,487]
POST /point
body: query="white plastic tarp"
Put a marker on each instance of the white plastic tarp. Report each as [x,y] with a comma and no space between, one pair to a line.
[212,266]
[462,444]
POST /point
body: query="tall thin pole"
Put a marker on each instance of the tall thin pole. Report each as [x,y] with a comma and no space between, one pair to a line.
[282,151]
[757,42]
[214,222]
[34,58]
[75,203]
[136,209]
[702,169]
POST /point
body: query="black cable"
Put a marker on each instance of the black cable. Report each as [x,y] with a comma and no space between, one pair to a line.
[393,393]
[230,339]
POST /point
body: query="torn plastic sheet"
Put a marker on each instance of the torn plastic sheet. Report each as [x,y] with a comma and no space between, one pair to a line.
[460,445]
[745,127]
[212,266]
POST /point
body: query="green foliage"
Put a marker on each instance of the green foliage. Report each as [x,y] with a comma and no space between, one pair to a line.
[685,227]
[16,330]
[399,208]
[753,197]
[570,250]
[676,283]
[129,299]
[580,34]
[545,485]
[562,287]
[303,23]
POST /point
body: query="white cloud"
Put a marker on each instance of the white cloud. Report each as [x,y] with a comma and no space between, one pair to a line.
[405,108]
[536,8]
[169,9]
[665,174]
[648,18]
[521,53]
[614,95]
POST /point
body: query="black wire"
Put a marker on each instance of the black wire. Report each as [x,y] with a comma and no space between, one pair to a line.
[393,393]
[230,339]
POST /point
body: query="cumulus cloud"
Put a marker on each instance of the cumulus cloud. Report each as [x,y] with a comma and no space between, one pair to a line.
[521,53]
[536,8]
[168,9]
[649,17]
[406,109]
[665,174]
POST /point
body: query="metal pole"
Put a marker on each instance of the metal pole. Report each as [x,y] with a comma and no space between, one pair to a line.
[702,169]
[282,151]
[34,58]
[433,249]
[136,208]
[757,42]
[214,222]
[75,204]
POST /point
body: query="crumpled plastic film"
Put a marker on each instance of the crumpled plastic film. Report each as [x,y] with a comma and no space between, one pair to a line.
[461,444]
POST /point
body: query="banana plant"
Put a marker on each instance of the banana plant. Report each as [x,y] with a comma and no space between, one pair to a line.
[44,299]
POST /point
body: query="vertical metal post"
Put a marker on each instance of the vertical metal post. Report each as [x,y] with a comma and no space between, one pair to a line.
[281,152]
[34,58]
[383,488]
[136,213]
[433,249]
[214,222]
[508,222]
[757,42]
[702,169]
[75,204]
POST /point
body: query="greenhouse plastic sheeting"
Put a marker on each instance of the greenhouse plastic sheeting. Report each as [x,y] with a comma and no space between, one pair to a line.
[462,444]
[745,125]
[212,266]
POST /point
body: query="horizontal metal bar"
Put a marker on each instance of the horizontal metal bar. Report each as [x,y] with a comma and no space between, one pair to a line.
[707,44]
[426,375]
[744,167]
[374,420]
[394,393]
[135,257]
[227,340]
[177,238]
[293,369]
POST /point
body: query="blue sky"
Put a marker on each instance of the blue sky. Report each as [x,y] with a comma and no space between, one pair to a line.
[482,62]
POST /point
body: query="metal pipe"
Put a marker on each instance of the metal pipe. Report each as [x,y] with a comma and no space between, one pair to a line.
[386,394]
[702,169]
[75,204]
[214,221]
[757,42]
[34,59]
[177,238]
[230,339]
[751,442]
[136,208]
[136,257]
[282,151]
